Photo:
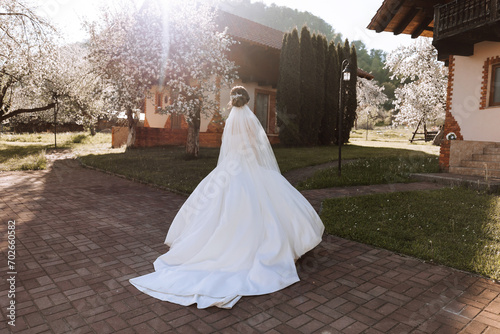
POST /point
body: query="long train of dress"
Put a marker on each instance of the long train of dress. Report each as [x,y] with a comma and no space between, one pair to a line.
[240,231]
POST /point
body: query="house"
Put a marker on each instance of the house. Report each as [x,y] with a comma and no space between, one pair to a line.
[466,34]
[257,55]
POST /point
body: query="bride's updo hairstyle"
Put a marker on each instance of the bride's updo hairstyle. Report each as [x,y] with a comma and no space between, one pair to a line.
[239,96]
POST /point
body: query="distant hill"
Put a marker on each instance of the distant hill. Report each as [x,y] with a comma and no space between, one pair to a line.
[279,17]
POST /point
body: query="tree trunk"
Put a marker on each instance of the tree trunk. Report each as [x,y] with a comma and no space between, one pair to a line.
[132,128]
[193,135]
[439,137]
[92,129]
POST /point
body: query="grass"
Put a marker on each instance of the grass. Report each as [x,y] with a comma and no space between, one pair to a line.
[168,167]
[454,227]
[163,166]
[383,134]
[388,134]
[374,170]
[30,157]
[293,158]
[27,151]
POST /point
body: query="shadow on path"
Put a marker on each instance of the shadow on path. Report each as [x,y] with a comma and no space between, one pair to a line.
[81,234]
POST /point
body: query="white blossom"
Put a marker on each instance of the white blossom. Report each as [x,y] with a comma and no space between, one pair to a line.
[196,58]
[370,98]
[37,71]
[27,44]
[422,97]
[174,44]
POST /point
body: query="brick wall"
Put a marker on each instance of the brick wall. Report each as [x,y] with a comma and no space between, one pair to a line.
[444,155]
[119,136]
[150,137]
[273,139]
[450,124]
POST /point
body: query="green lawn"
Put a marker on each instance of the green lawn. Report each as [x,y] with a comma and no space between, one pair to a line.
[374,170]
[454,227]
[293,158]
[27,151]
[168,167]
[30,157]
[162,166]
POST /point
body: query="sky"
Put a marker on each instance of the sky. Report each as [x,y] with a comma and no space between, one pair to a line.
[348,17]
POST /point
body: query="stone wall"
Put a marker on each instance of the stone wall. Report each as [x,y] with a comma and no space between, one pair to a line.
[460,150]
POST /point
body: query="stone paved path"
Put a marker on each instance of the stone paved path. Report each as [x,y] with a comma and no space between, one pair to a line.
[81,234]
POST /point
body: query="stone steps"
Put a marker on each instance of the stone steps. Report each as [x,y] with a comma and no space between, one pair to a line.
[486,157]
[492,150]
[486,164]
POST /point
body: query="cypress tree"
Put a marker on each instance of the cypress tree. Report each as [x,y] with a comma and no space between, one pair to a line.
[351,100]
[329,120]
[349,90]
[307,88]
[289,91]
[340,57]
[281,87]
[321,49]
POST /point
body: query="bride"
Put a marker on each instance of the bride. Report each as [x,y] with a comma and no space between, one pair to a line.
[242,228]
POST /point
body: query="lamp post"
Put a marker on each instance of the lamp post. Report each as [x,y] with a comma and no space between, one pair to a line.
[55,124]
[345,76]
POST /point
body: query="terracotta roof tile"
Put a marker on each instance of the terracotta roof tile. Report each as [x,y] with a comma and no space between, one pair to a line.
[364,74]
[244,29]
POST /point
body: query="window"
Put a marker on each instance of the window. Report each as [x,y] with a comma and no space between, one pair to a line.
[167,100]
[175,120]
[495,85]
[158,101]
[262,109]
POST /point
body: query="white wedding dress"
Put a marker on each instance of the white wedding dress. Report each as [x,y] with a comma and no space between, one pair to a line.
[240,231]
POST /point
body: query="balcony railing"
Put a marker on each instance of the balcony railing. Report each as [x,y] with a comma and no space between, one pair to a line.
[462,15]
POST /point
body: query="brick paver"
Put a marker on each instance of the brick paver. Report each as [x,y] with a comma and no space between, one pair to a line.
[81,234]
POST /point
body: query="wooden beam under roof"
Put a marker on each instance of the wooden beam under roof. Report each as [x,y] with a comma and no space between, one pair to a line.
[406,20]
[412,17]
[423,26]
[385,16]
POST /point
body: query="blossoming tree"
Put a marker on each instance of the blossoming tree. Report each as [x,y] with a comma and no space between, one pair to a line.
[26,48]
[197,66]
[422,97]
[175,44]
[370,97]
[75,90]
[40,77]
[81,89]
[126,52]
